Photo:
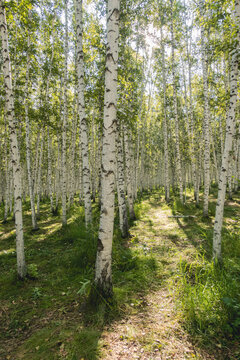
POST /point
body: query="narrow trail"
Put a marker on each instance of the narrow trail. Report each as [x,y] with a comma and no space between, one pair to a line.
[155,331]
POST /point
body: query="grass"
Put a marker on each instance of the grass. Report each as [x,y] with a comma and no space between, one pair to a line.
[209,295]
[44,317]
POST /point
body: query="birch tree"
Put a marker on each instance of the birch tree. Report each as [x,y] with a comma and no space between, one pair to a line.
[103,273]
[178,155]
[230,129]
[28,146]
[165,125]
[122,206]
[15,157]
[65,119]
[86,175]
[206,116]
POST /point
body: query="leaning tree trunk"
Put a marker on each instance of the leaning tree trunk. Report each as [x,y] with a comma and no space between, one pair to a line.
[230,129]
[103,273]
[86,175]
[15,156]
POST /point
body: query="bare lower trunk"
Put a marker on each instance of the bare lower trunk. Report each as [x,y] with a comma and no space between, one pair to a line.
[130,197]
[28,147]
[15,157]
[230,128]
[123,220]
[103,273]
[50,188]
[65,120]
[38,185]
[82,117]
[178,155]
[165,125]
[206,120]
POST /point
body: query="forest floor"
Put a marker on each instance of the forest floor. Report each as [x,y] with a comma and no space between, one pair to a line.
[169,300]
[155,331]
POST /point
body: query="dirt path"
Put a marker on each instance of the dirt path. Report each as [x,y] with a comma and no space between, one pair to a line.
[155,331]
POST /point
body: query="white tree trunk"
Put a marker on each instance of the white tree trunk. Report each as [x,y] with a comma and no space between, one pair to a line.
[7,190]
[82,117]
[15,157]
[206,119]
[80,182]
[178,156]
[103,274]
[165,125]
[72,157]
[230,129]
[38,185]
[49,172]
[58,174]
[65,120]
[28,146]
[128,162]
[35,167]
[123,219]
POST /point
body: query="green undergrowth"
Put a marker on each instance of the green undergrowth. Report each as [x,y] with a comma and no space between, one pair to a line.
[45,316]
[209,295]
[210,298]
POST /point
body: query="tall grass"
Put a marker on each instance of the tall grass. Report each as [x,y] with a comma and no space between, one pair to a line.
[210,297]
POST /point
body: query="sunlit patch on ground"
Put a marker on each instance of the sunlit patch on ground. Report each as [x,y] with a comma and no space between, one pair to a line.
[6,252]
[7,235]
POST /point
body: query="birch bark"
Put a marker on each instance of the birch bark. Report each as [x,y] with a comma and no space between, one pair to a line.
[165,125]
[65,120]
[103,274]
[206,118]
[49,173]
[230,128]
[15,156]
[7,190]
[128,162]
[178,156]
[72,159]
[35,167]
[86,175]
[122,206]
[28,146]
[38,185]
[7,173]
[58,173]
